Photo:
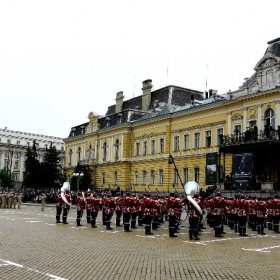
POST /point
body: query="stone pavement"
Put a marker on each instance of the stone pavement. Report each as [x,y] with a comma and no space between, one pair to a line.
[33,246]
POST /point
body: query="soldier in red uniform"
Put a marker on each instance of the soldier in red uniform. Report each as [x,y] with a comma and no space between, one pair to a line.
[276,213]
[95,204]
[66,207]
[178,209]
[127,209]
[170,202]
[88,203]
[243,213]
[110,205]
[218,210]
[261,212]
[140,210]
[80,206]
[148,213]
[157,213]
[134,211]
[269,209]
[119,206]
[253,213]
[59,203]
[194,217]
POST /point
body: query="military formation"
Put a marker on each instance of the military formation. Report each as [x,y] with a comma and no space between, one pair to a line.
[10,200]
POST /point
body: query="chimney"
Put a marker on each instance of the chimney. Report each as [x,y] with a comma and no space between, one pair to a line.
[146,97]
[119,102]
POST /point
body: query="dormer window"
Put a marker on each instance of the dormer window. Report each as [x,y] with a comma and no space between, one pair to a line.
[107,122]
[120,116]
[73,132]
[82,129]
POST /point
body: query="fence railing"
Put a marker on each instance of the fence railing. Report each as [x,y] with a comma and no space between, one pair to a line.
[242,137]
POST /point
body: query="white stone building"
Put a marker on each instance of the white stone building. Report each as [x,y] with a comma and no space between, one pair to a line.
[13,146]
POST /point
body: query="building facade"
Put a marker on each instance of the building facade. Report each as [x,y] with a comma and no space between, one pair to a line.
[164,138]
[13,145]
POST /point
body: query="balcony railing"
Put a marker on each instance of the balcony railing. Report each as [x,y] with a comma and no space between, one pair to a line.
[243,137]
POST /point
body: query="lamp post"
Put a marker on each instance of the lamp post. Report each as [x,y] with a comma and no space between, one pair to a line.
[78,175]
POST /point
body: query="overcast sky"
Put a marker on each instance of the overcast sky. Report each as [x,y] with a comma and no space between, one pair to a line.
[60,60]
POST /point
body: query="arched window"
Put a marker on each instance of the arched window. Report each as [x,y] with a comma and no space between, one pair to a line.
[104,151]
[269,118]
[79,153]
[70,156]
[117,149]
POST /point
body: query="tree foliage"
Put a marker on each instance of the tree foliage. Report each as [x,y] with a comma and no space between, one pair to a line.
[6,179]
[47,174]
[32,168]
[50,168]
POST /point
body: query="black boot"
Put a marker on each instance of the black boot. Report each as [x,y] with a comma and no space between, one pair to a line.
[276,229]
[118,222]
[126,228]
[259,229]
[148,230]
[244,232]
[58,219]
[171,232]
[240,231]
[79,223]
[93,223]
[108,226]
[133,224]
[262,230]
[190,234]
[195,235]
[236,228]
[65,221]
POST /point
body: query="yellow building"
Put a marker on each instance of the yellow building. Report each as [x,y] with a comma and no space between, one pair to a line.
[166,137]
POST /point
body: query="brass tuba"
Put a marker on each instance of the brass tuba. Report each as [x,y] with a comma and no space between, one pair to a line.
[65,187]
[190,188]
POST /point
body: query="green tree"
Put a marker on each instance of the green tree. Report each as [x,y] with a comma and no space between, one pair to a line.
[85,181]
[32,168]
[50,169]
[6,179]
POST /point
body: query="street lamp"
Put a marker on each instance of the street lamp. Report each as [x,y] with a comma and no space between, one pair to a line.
[78,175]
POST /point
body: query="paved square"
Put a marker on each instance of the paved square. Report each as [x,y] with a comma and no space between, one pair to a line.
[33,246]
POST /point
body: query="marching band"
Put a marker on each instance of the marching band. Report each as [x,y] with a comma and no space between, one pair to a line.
[151,211]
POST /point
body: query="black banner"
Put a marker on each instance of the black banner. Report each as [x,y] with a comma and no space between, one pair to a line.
[242,171]
[211,168]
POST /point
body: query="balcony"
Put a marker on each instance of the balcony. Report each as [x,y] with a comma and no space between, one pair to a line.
[247,138]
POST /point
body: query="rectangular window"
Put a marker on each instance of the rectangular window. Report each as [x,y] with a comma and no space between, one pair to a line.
[185,175]
[6,163]
[46,146]
[28,144]
[37,145]
[153,147]
[103,178]
[62,149]
[16,165]
[176,143]
[9,141]
[161,145]
[136,178]
[145,148]
[160,179]
[18,142]
[175,176]
[208,138]
[186,141]
[152,181]
[196,174]
[137,152]
[144,177]
[115,178]
[15,176]
[17,154]
[197,140]
[220,133]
